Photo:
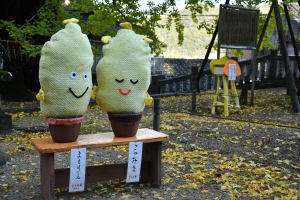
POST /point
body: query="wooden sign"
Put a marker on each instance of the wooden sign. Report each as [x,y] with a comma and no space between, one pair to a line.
[232,69]
[237,27]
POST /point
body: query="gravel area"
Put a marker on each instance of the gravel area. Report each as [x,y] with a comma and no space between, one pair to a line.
[252,154]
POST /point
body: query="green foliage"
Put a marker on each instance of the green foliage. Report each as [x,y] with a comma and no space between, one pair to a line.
[236,52]
[45,22]
[4,73]
[251,3]
[266,42]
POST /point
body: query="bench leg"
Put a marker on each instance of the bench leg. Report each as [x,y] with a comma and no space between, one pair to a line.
[152,154]
[225,96]
[47,176]
[215,100]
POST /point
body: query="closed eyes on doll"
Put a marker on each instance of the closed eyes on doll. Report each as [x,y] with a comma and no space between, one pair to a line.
[119,81]
[132,81]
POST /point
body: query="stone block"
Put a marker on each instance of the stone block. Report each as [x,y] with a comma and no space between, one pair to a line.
[5,123]
[3,158]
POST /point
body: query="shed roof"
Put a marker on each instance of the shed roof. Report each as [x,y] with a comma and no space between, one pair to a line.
[176,67]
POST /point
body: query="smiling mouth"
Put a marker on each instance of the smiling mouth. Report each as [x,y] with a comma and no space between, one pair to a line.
[124,93]
[70,89]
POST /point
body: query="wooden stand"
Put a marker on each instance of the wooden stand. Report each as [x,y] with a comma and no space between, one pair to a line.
[225,104]
[220,69]
[52,178]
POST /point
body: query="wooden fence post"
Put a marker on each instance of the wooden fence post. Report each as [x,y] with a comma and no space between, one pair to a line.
[155,89]
[272,64]
[194,98]
[194,74]
[156,113]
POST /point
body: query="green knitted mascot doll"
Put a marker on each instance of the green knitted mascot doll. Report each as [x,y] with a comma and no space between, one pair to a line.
[123,76]
[66,81]
[65,73]
[124,72]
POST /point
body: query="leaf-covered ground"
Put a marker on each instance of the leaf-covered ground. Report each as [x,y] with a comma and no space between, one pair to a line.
[252,154]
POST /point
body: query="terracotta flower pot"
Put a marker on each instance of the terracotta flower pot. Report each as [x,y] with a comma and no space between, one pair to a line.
[64,130]
[124,125]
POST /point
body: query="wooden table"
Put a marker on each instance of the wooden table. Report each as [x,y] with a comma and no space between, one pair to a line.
[52,178]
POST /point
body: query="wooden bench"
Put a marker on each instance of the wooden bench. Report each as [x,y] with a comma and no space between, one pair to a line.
[52,178]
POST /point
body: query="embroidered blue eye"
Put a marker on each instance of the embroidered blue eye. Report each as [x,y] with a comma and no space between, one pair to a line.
[73,75]
[85,76]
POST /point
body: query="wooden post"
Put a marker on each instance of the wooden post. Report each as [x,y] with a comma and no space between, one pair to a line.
[194,97]
[1,68]
[152,154]
[244,93]
[293,38]
[289,75]
[272,64]
[47,176]
[292,34]
[194,72]
[156,113]
[155,89]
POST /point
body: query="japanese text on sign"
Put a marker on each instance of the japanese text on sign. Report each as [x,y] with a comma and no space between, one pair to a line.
[134,161]
[77,170]
[232,72]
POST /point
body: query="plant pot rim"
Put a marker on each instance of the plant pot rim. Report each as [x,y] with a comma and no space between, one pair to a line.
[124,125]
[64,121]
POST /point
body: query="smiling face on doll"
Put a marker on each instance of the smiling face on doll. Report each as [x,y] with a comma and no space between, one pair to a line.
[123,74]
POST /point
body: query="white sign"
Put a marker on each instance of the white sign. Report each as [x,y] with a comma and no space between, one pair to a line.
[77,170]
[134,162]
[232,72]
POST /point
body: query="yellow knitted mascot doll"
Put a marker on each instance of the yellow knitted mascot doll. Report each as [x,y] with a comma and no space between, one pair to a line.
[124,73]
[65,75]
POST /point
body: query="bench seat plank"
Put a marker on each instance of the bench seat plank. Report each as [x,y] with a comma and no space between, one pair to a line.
[98,140]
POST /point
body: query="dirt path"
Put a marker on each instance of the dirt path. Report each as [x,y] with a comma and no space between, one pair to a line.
[251,154]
